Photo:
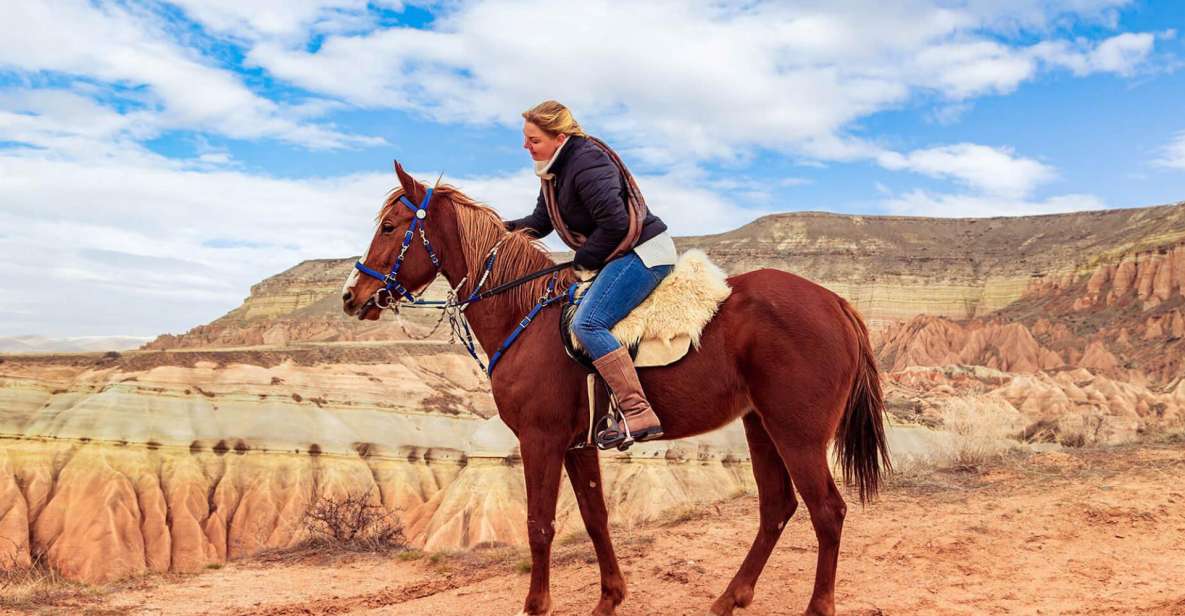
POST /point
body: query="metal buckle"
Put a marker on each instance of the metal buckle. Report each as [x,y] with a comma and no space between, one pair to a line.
[379,298]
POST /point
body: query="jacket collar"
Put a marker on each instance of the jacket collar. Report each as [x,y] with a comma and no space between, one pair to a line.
[570,145]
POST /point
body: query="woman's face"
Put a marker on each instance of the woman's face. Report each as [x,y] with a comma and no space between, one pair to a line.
[540,144]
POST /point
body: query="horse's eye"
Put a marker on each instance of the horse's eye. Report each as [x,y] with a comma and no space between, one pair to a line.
[388,228]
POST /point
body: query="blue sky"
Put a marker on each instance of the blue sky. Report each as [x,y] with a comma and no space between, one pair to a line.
[156,158]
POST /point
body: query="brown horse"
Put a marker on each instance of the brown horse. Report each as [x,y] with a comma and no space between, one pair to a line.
[788,357]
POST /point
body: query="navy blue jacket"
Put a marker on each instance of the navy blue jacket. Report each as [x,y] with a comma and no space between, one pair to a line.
[590,195]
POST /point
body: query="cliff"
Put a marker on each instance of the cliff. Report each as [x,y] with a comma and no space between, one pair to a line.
[892,268]
[896,267]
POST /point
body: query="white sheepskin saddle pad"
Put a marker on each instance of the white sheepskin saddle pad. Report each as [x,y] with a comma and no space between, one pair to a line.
[668,322]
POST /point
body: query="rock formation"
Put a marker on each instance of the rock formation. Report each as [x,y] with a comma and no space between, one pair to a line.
[1072,407]
[170,461]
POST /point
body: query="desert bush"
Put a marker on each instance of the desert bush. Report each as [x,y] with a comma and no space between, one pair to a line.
[1171,436]
[37,586]
[501,556]
[355,522]
[1072,439]
[575,537]
[981,429]
[1040,431]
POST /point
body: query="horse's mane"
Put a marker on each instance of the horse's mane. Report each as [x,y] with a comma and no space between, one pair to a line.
[480,228]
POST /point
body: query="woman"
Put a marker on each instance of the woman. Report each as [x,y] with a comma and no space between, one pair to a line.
[590,198]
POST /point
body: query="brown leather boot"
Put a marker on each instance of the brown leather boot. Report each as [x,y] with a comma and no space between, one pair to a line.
[641,424]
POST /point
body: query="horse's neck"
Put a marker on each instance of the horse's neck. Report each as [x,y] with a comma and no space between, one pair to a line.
[490,321]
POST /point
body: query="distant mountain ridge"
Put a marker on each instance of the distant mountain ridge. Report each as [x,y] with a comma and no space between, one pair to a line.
[75,344]
[892,268]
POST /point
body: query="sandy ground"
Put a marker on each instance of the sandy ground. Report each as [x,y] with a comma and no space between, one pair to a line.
[1086,532]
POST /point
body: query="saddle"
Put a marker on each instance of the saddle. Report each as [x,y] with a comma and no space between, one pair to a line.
[664,327]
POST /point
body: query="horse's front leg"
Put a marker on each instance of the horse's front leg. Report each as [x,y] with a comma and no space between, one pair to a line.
[543,458]
[585,473]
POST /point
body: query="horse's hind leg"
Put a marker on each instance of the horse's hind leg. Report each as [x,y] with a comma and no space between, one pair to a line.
[777,504]
[585,473]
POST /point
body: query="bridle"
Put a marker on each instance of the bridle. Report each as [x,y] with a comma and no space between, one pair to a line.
[384,295]
[393,292]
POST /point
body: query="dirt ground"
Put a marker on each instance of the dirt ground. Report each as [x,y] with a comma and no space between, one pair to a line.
[1081,532]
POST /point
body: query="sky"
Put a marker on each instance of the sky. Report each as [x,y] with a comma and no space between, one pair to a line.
[159,158]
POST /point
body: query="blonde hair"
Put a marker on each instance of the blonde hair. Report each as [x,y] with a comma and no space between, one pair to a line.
[554,118]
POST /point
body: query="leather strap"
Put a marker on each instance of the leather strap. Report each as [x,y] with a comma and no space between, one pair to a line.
[635,207]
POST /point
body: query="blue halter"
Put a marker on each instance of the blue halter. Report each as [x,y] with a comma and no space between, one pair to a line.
[382,297]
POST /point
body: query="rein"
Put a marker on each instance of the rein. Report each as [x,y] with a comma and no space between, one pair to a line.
[502,288]
[385,296]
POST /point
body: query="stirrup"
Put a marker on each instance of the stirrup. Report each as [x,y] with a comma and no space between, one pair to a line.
[611,437]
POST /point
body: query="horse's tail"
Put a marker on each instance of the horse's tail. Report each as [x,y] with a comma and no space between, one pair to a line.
[860,440]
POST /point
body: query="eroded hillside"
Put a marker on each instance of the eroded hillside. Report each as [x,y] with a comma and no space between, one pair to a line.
[171,461]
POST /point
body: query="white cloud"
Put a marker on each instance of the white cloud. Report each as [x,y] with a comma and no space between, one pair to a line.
[1173,154]
[129,48]
[963,69]
[999,182]
[991,170]
[945,115]
[1122,54]
[922,203]
[286,19]
[710,81]
[164,244]
[143,245]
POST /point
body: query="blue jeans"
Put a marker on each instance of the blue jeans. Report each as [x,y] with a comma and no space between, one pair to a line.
[622,284]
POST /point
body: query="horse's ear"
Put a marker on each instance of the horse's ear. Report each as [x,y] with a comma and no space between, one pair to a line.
[412,189]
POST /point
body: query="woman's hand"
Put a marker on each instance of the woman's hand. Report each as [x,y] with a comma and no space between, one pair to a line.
[584,274]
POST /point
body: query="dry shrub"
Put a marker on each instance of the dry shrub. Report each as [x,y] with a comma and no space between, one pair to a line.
[1072,439]
[38,587]
[981,429]
[1040,431]
[355,522]
[479,557]
[1169,437]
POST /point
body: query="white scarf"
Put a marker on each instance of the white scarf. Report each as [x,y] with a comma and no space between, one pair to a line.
[542,166]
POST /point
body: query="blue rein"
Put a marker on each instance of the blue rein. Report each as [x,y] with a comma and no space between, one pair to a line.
[549,298]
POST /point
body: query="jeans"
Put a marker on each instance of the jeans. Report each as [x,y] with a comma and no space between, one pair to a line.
[622,284]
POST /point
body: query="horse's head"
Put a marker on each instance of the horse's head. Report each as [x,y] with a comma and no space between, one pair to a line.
[398,261]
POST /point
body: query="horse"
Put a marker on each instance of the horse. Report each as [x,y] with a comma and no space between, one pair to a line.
[789,358]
